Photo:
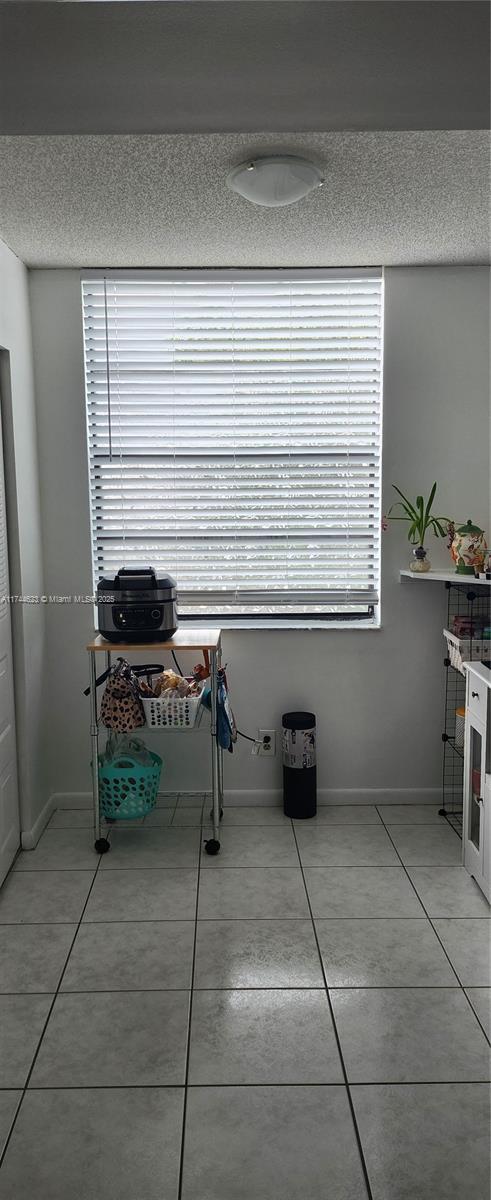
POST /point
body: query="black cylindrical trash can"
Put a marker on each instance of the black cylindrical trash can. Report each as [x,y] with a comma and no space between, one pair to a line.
[299,765]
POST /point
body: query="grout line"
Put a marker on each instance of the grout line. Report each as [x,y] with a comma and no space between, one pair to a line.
[220,919]
[336,1034]
[317,917]
[190,920]
[269,987]
[330,867]
[50,870]
[13,1120]
[419,825]
[292,1083]
[237,866]
[248,867]
[31,924]
[163,867]
[447,816]
[188,1043]
[303,987]
[478,1019]
[416,1082]
[435,931]
[43,1031]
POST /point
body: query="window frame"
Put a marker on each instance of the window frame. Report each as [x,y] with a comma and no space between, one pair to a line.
[275,620]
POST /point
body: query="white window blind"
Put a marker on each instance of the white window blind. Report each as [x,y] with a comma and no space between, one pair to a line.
[234,433]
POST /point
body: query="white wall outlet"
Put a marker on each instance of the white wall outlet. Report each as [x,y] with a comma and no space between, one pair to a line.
[267,742]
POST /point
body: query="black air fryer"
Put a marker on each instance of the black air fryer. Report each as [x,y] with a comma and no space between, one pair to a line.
[137,606]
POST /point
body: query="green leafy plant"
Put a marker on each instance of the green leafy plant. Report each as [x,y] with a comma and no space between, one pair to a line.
[419,516]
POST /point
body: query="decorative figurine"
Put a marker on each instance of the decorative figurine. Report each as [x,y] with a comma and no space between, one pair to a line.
[468,549]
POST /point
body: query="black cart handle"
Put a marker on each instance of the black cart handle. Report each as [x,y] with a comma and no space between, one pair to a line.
[142,669]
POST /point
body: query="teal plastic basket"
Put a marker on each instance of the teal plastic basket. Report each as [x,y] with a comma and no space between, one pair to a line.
[127,788]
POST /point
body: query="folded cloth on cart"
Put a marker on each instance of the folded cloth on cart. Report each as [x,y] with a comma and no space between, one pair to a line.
[226,726]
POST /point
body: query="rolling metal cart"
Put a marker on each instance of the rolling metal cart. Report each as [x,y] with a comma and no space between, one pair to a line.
[192,639]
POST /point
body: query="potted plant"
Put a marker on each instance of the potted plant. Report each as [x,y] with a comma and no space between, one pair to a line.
[420,518]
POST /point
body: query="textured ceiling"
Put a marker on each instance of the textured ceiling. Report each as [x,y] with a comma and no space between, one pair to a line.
[207,66]
[390,198]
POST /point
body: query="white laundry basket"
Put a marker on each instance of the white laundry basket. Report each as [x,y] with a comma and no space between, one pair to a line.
[173,712]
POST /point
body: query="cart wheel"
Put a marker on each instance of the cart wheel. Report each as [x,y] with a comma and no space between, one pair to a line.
[442,812]
[102,846]
[211,814]
[212,847]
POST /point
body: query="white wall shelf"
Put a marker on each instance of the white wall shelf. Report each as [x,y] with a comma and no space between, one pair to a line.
[445,577]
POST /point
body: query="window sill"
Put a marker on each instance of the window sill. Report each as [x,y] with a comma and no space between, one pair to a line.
[284,626]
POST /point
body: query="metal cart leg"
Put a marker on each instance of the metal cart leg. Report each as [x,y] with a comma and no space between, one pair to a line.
[219,748]
[220,785]
[220,780]
[212,846]
[100,844]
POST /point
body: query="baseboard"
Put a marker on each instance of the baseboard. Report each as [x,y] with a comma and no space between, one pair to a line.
[429,795]
[84,799]
[259,798]
[72,799]
[29,837]
[339,796]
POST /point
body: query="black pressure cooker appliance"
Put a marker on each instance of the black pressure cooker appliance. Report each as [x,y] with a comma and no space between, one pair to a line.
[137,606]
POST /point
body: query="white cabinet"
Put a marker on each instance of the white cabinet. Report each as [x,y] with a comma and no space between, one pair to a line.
[476,831]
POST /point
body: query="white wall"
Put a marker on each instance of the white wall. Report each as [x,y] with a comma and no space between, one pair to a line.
[25,556]
[378,694]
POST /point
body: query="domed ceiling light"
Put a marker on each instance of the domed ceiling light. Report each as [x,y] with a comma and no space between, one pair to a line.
[275,181]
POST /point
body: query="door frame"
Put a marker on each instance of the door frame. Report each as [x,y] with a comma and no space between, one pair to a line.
[13,553]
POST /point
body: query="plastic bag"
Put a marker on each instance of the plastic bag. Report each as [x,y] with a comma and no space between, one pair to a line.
[119,746]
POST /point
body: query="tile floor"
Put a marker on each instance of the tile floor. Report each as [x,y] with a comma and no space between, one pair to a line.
[301,1018]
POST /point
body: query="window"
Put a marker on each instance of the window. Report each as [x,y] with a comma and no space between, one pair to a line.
[234,432]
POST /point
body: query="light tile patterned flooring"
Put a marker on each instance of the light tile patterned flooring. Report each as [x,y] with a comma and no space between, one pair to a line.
[301,1018]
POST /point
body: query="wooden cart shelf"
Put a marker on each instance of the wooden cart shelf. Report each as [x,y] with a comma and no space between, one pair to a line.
[183,639]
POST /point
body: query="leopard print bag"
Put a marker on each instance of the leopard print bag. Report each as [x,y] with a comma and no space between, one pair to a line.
[121,706]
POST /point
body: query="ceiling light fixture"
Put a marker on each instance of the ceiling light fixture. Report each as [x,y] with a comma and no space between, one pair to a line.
[275,181]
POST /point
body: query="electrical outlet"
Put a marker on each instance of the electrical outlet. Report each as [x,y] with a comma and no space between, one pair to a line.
[267,742]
